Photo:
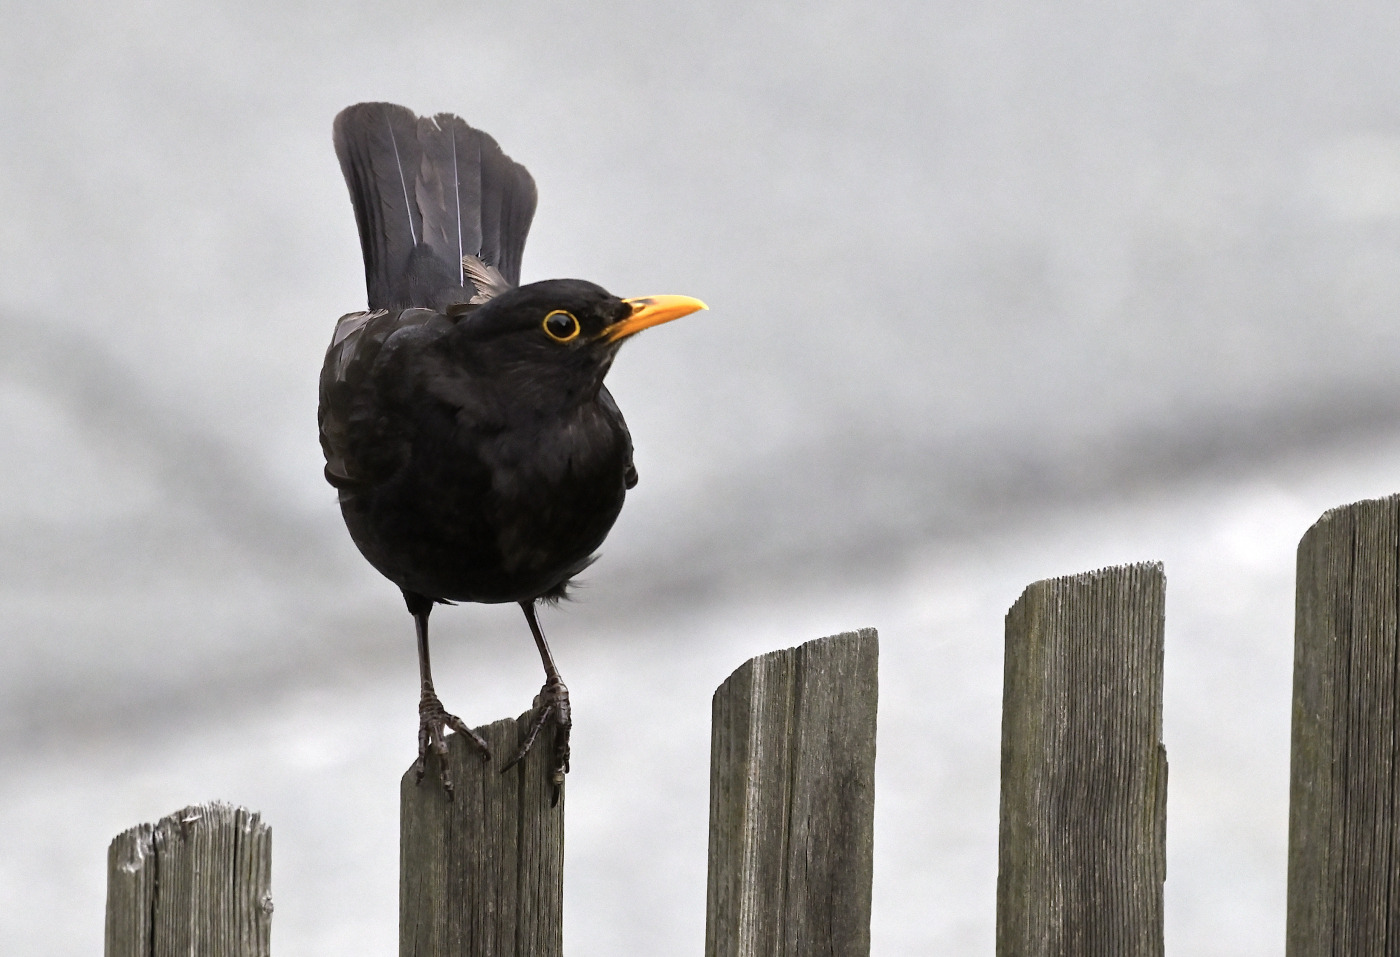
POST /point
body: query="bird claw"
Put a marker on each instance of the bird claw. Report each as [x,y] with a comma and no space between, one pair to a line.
[433,723]
[552,703]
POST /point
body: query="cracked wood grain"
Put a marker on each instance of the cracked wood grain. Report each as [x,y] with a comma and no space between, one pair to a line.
[196,882]
[1343,842]
[1083,770]
[792,789]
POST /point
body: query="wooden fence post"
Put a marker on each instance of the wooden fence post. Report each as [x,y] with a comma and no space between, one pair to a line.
[195,882]
[483,874]
[1343,839]
[1083,770]
[792,798]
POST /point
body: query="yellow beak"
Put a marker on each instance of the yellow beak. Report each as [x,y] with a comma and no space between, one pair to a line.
[649,311]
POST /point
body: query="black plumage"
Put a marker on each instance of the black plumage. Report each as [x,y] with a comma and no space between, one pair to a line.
[427,192]
[476,452]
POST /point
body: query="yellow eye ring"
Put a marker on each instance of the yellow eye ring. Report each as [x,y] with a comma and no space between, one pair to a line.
[561,326]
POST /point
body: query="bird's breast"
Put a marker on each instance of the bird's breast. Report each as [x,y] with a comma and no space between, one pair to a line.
[496,514]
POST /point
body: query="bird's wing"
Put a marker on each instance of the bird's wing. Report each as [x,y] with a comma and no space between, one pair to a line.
[429,192]
[362,440]
[610,408]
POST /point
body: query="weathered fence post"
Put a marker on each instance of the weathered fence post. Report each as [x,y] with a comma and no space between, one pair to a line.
[483,874]
[1343,833]
[1083,770]
[195,882]
[792,798]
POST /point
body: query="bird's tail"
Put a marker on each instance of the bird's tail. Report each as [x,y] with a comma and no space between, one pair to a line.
[429,192]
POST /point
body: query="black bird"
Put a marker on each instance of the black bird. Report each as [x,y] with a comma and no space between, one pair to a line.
[476,452]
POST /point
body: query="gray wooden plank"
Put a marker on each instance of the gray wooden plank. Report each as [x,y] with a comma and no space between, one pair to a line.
[196,882]
[1083,770]
[482,875]
[1344,846]
[792,797]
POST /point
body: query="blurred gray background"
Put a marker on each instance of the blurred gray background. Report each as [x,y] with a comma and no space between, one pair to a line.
[998,292]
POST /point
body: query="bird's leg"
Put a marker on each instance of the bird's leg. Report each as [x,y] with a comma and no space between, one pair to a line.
[552,703]
[433,718]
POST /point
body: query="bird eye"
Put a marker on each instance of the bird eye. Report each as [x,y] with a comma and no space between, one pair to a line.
[561,326]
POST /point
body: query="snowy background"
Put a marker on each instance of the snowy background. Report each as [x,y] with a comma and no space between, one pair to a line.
[997,293]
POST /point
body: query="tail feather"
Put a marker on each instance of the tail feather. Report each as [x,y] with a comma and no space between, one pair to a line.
[427,192]
[517,211]
[448,188]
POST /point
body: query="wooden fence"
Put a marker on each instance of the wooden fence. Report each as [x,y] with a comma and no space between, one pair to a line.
[1083,795]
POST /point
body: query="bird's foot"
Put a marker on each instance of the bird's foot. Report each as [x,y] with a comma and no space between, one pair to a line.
[433,722]
[551,706]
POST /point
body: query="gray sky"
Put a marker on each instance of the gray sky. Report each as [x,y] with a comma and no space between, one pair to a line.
[968,265]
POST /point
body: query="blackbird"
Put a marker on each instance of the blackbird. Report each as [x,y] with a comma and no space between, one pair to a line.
[476,453]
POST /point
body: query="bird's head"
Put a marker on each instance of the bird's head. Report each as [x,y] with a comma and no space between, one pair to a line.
[563,332]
